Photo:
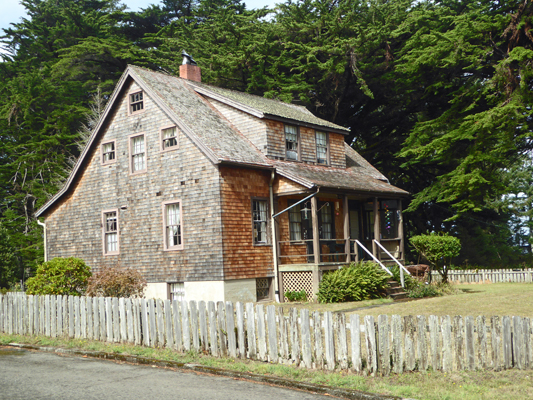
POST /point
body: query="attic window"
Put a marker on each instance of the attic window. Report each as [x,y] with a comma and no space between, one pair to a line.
[169,138]
[136,102]
[291,142]
[108,152]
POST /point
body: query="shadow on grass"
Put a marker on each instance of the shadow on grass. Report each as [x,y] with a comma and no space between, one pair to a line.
[470,291]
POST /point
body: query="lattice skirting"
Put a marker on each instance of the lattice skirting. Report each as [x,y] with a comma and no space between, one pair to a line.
[296,281]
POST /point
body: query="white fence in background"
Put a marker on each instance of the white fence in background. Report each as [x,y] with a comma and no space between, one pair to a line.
[488,275]
[273,334]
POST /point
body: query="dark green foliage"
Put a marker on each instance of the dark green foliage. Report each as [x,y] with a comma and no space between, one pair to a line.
[354,282]
[438,250]
[65,276]
[424,289]
[110,282]
[296,296]
[8,260]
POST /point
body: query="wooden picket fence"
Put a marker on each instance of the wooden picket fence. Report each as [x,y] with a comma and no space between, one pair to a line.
[488,275]
[311,340]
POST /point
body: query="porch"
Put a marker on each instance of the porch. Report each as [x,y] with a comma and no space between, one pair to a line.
[320,232]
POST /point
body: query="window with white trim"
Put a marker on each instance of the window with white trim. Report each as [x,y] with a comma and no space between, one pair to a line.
[172,221]
[322,148]
[260,221]
[291,142]
[169,138]
[136,102]
[110,232]
[108,152]
[138,153]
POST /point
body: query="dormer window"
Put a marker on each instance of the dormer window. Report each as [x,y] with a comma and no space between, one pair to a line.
[322,148]
[291,142]
[136,102]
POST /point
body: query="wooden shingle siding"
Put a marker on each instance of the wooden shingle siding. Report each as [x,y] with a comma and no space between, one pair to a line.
[275,139]
[336,149]
[251,127]
[243,260]
[284,236]
[74,227]
[307,145]
[283,185]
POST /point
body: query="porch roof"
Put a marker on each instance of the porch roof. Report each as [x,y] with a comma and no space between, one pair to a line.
[359,176]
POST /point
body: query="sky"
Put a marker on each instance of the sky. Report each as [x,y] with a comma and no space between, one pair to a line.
[13,11]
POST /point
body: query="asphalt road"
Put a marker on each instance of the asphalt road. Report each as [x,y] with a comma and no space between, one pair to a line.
[40,375]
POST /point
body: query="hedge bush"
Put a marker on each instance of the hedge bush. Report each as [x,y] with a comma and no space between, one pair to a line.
[65,276]
[354,282]
[112,282]
[296,296]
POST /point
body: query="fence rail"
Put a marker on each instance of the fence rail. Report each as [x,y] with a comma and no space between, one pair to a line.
[312,340]
[488,275]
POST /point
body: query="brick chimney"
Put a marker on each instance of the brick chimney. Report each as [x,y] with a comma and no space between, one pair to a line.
[189,70]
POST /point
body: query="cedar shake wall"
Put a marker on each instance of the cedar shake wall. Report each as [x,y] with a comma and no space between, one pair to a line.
[287,249]
[307,145]
[284,185]
[336,150]
[251,127]
[275,139]
[241,258]
[74,226]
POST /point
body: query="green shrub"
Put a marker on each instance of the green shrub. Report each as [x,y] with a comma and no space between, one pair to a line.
[409,281]
[438,250]
[111,282]
[296,296]
[354,282]
[65,276]
[422,289]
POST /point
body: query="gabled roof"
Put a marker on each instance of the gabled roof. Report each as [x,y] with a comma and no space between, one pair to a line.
[262,107]
[183,103]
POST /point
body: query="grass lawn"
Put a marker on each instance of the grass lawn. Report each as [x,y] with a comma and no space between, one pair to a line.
[471,299]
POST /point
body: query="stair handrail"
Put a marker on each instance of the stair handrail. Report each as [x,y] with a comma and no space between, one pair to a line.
[373,257]
[402,268]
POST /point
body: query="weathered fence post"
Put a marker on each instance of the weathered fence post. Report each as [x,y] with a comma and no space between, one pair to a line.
[185,325]
[283,335]
[90,317]
[470,344]
[152,324]
[306,338]
[422,348]
[222,334]
[355,333]
[168,324]
[230,329]
[83,317]
[123,321]
[261,332]
[507,349]
[272,334]
[213,330]
[342,342]
[128,304]
[178,342]
[370,338]
[496,343]
[433,322]
[194,325]
[383,345]
[397,348]
[144,323]
[317,331]
[250,329]
[481,342]
[293,335]
[203,325]
[160,322]
[447,358]
[518,343]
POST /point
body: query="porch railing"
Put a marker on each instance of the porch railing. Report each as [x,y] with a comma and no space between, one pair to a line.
[402,268]
[330,250]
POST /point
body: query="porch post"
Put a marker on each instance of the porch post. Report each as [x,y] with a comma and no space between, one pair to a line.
[316,245]
[377,232]
[346,229]
[400,231]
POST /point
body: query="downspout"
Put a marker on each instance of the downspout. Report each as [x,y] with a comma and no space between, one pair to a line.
[274,239]
[45,247]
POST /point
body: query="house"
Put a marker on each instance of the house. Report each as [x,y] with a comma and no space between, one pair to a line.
[191,184]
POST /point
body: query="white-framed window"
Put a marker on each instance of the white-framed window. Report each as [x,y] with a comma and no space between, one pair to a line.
[110,232]
[177,291]
[137,153]
[136,102]
[172,225]
[169,138]
[108,152]
[260,221]
[322,148]
[292,148]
